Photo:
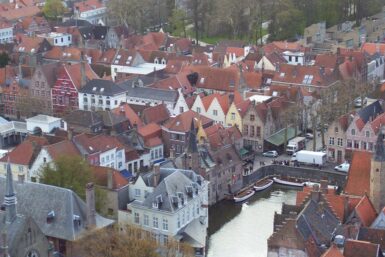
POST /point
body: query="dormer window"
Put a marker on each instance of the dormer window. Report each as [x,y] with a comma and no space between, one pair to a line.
[77,221]
[50,217]
[157,203]
[181,198]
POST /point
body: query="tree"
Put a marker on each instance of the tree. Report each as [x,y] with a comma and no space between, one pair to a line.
[128,241]
[4,59]
[53,9]
[178,22]
[72,172]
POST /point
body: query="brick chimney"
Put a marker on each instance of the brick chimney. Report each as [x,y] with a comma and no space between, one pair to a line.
[156,176]
[110,182]
[70,133]
[90,205]
[315,193]
[324,186]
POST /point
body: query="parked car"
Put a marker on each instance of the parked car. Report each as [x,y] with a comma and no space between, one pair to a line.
[272,154]
[344,167]
[309,136]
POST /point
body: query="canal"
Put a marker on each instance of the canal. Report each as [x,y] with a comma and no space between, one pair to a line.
[242,230]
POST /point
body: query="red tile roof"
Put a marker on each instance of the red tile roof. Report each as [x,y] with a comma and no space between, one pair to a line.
[65,147]
[14,14]
[150,130]
[129,113]
[378,122]
[101,177]
[366,211]
[98,143]
[156,114]
[238,51]
[358,182]
[182,122]
[24,153]
[356,248]
[74,71]
[372,48]
[333,251]
[153,141]
[88,5]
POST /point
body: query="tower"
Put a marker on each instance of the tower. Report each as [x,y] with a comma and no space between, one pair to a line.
[191,156]
[10,197]
[377,174]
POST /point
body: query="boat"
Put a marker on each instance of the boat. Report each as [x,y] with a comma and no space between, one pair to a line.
[263,184]
[243,196]
[289,182]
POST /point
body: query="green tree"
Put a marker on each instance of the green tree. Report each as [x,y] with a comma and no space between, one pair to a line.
[72,172]
[53,9]
[178,23]
[4,59]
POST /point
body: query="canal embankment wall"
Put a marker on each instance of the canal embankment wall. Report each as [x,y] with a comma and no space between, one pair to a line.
[306,173]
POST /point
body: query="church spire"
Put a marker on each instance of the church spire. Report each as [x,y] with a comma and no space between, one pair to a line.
[10,197]
[192,146]
[379,154]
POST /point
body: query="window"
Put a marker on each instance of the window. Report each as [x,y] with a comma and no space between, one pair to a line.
[353,132]
[145,220]
[181,109]
[215,112]
[232,116]
[165,224]
[155,222]
[258,131]
[363,145]
[20,168]
[44,159]
[367,133]
[331,141]
[340,142]
[356,144]
[198,110]
[136,218]
[370,146]
[252,117]
[336,130]
[245,130]
[137,192]
[251,131]
[165,240]
[349,143]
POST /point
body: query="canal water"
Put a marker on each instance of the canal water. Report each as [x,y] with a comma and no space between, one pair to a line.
[242,230]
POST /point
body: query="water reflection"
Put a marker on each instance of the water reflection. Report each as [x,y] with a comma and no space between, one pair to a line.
[241,230]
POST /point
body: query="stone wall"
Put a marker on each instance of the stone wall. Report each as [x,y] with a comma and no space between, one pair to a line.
[315,175]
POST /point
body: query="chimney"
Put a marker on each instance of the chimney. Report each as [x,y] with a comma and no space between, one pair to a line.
[70,133]
[20,178]
[156,174]
[90,205]
[4,245]
[315,193]
[324,186]
[346,208]
[110,182]
[83,70]
[172,153]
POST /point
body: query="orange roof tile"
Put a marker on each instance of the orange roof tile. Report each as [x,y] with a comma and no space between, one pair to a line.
[366,211]
[153,141]
[358,182]
[74,71]
[65,147]
[101,177]
[150,130]
[129,113]
[333,251]
[182,122]
[356,248]
[157,114]
[372,48]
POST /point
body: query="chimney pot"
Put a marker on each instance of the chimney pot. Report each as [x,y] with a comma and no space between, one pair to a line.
[156,174]
[90,205]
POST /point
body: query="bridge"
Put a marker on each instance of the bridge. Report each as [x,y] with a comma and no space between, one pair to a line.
[305,173]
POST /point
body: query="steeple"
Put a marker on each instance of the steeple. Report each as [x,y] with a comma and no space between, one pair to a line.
[379,154]
[192,146]
[10,197]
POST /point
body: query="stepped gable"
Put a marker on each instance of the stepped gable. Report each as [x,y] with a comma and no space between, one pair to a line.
[287,236]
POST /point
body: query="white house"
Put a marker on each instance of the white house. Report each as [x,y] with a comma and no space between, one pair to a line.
[131,62]
[43,122]
[100,94]
[376,67]
[93,11]
[6,32]
[180,105]
[169,203]
[58,39]
[294,58]
[214,106]
[198,106]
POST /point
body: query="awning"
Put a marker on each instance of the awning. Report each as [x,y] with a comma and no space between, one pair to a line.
[126,174]
[278,138]
[243,151]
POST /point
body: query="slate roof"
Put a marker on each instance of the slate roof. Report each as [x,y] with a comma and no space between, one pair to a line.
[370,111]
[316,220]
[375,236]
[150,93]
[83,118]
[37,200]
[171,181]
[102,87]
